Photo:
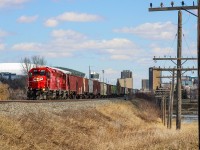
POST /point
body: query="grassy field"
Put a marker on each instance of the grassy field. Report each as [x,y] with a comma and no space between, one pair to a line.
[4,93]
[126,125]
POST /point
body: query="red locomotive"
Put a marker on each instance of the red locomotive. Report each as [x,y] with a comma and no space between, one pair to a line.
[54,83]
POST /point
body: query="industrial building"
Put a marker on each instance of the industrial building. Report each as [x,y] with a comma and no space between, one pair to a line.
[126,74]
[145,85]
[126,79]
[154,79]
[127,82]
[94,76]
[189,81]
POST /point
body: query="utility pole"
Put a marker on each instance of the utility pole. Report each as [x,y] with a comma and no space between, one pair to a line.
[179,47]
[171,101]
[179,70]
[89,72]
[163,94]
[198,53]
[179,51]
[103,82]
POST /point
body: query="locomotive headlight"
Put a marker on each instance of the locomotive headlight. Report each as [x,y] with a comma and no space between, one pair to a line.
[38,79]
[43,89]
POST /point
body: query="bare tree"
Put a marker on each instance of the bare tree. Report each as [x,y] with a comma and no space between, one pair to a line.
[26,65]
[34,61]
[38,61]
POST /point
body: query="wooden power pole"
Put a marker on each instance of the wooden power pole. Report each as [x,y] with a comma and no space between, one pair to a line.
[179,51]
[198,53]
[179,47]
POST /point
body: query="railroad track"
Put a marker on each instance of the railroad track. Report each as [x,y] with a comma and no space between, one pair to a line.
[49,101]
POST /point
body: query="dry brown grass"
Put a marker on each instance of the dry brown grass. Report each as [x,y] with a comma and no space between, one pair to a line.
[117,126]
[4,92]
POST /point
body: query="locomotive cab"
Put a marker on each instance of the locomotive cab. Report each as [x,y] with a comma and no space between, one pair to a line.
[38,81]
[38,78]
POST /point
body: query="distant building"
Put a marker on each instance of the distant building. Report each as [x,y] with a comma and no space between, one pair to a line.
[154,80]
[189,81]
[126,74]
[126,79]
[127,82]
[145,85]
[94,76]
[8,75]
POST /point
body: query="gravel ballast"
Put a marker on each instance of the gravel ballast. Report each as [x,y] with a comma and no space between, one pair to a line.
[18,108]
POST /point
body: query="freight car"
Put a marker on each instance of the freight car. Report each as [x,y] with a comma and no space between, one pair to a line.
[54,83]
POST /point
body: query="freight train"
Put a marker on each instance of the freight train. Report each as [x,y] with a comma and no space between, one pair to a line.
[53,83]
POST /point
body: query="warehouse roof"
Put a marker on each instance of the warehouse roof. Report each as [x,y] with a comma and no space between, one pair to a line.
[15,68]
[74,72]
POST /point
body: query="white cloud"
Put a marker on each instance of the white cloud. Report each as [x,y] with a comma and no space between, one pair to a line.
[28,47]
[110,71]
[120,57]
[2,46]
[190,51]
[11,3]
[56,55]
[158,30]
[118,43]
[68,34]
[160,51]
[68,43]
[120,51]
[3,33]
[71,17]
[51,23]
[27,19]
[78,17]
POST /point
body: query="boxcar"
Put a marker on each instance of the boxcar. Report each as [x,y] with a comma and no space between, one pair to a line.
[90,87]
[86,87]
[108,90]
[72,85]
[103,90]
[80,87]
[113,90]
[121,91]
[96,88]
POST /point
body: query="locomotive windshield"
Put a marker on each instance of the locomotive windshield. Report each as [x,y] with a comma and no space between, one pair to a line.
[42,72]
[37,72]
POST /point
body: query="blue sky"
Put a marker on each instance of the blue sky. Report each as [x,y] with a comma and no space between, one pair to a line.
[106,35]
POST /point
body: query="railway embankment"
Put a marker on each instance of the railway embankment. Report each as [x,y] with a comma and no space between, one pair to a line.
[105,124]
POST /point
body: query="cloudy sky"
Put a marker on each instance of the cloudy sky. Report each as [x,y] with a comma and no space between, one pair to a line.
[106,35]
